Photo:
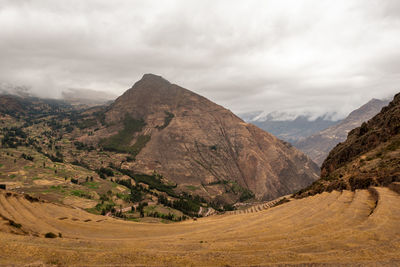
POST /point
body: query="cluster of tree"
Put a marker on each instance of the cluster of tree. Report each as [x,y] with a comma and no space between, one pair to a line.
[153,181]
[14,137]
[168,216]
[136,190]
[140,208]
[104,172]
[82,146]
[81,163]
[54,124]
[27,157]
[188,206]
[109,207]
[54,158]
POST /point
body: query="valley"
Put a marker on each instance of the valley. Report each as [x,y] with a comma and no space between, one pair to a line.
[107,185]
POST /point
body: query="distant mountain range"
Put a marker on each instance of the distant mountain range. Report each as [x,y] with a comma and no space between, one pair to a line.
[287,126]
[314,136]
[80,98]
[318,145]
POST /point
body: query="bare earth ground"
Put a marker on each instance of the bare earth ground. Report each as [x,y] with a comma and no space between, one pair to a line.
[330,228]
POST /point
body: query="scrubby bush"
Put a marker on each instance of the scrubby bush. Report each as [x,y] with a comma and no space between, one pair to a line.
[50,235]
[14,224]
[360,183]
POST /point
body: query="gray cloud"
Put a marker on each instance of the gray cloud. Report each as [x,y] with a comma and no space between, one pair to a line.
[301,56]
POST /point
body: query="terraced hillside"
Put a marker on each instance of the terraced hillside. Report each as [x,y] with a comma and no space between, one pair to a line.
[331,228]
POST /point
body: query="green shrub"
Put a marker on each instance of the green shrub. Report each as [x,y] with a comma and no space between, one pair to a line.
[246,194]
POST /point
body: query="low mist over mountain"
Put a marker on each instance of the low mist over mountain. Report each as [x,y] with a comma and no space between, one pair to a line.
[318,145]
[10,89]
[87,97]
[289,126]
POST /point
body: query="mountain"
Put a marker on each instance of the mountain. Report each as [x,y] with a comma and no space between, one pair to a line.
[317,146]
[287,126]
[370,156]
[16,105]
[199,145]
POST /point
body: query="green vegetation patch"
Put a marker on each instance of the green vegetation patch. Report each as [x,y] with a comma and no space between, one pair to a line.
[234,187]
[119,141]
[154,182]
[80,193]
[139,144]
[192,187]
[55,188]
[92,185]
[102,208]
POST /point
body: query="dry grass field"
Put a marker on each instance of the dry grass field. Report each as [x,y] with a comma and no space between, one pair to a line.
[330,228]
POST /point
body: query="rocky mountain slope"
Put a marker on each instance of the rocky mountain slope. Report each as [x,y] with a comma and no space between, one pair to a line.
[370,156]
[317,146]
[199,145]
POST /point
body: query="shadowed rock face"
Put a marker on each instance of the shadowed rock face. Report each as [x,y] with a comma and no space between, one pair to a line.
[205,143]
[381,129]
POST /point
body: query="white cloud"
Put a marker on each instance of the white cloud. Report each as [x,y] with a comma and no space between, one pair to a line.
[319,56]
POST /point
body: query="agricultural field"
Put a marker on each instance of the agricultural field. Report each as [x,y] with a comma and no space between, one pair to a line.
[337,228]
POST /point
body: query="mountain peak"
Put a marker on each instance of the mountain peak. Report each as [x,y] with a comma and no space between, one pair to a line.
[191,140]
[152,78]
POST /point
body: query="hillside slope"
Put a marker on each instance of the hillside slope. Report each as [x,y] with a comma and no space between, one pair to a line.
[199,144]
[331,229]
[317,146]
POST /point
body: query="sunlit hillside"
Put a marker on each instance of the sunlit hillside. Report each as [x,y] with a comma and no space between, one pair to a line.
[338,227]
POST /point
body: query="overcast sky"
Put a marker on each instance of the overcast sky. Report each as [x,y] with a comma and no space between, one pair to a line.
[301,56]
